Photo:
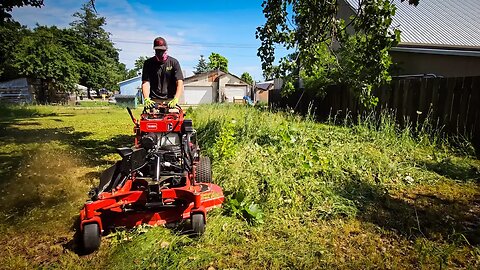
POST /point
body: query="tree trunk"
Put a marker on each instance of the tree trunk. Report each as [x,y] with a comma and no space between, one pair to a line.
[42,92]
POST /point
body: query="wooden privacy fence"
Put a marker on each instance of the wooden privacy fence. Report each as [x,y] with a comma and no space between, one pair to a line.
[452,103]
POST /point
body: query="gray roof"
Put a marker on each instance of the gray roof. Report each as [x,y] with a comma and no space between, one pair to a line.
[437,23]
[204,74]
[14,84]
[137,78]
[264,85]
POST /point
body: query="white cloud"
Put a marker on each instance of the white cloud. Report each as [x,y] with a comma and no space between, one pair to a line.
[50,14]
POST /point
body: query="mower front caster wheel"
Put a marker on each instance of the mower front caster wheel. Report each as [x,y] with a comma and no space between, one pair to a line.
[198,224]
[90,237]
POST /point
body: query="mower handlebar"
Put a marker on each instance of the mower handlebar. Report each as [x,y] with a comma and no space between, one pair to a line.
[158,105]
[131,116]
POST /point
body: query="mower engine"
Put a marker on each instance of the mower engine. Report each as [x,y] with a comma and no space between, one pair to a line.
[170,142]
[161,180]
[166,160]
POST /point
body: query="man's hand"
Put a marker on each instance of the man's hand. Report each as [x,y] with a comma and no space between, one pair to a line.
[148,103]
[173,103]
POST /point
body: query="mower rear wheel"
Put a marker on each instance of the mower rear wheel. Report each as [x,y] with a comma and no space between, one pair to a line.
[91,237]
[198,224]
[204,170]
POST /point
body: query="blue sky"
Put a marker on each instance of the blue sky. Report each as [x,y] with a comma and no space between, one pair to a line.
[191,28]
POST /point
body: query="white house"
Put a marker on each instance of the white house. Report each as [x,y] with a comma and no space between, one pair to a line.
[214,86]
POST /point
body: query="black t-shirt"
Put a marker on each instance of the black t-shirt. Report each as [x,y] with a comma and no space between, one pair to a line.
[162,77]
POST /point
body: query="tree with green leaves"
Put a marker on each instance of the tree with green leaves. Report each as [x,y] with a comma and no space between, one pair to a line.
[99,66]
[139,63]
[217,61]
[131,73]
[41,55]
[202,66]
[246,77]
[138,66]
[11,34]
[313,28]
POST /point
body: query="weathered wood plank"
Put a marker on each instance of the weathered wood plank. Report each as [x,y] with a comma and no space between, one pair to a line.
[442,110]
[474,114]
[414,99]
[454,121]
[426,103]
[464,105]
[403,102]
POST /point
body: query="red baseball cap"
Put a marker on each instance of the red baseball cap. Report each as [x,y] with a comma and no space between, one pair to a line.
[160,44]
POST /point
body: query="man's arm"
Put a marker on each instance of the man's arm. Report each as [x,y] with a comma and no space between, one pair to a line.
[145,81]
[179,92]
[145,89]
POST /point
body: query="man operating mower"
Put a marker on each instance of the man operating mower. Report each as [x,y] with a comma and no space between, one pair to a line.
[162,77]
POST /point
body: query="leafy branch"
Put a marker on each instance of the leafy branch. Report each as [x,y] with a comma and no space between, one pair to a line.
[327,49]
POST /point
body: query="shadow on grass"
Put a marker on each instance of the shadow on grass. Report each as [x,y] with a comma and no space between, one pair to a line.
[207,134]
[93,150]
[420,213]
[449,169]
[42,135]
[10,165]
[74,244]
[27,124]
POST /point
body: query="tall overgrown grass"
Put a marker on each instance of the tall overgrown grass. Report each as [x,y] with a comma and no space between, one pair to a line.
[287,163]
[283,174]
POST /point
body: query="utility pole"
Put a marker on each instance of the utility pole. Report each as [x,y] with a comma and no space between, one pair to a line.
[299,84]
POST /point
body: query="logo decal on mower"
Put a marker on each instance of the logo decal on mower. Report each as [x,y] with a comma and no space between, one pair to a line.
[169,126]
[152,126]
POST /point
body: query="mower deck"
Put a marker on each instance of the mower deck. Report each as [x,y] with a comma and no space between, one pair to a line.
[130,209]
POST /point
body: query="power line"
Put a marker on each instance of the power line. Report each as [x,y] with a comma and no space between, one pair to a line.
[212,45]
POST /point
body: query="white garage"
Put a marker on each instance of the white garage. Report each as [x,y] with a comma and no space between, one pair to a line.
[213,86]
[235,91]
[197,95]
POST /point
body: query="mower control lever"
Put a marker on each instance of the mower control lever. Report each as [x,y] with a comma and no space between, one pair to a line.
[131,116]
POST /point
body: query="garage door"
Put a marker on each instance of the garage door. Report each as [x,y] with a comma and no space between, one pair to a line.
[235,91]
[197,95]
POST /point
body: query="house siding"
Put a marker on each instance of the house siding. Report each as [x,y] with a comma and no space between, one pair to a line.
[409,63]
[261,96]
[130,87]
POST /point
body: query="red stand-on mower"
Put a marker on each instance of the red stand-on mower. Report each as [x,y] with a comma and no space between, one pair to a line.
[161,180]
